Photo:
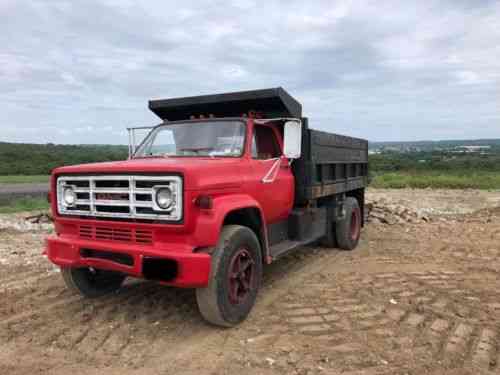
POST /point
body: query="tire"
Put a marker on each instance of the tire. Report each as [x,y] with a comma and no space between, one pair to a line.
[231,291]
[92,283]
[348,230]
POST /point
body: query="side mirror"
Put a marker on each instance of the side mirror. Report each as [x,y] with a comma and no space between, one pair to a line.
[292,139]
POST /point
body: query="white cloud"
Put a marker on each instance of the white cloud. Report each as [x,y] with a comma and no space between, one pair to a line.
[379,69]
[466,77]
[71,80]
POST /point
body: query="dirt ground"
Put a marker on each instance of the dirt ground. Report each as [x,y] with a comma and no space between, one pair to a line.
[413,298]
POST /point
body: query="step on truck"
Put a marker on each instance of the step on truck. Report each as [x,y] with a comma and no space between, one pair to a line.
[225,185]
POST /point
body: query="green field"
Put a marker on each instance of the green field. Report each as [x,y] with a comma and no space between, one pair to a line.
[25,204]
[22,179]
[437,180]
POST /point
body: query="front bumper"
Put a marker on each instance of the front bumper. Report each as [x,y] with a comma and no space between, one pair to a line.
[192,269]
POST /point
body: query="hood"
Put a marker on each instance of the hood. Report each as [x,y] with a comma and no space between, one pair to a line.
[198,173]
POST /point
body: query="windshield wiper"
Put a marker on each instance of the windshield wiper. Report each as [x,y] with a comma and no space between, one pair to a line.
[151,156]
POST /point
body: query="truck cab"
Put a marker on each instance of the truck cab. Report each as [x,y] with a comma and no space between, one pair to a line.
[224,185]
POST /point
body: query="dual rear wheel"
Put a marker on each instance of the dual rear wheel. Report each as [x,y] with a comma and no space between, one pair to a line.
[345,233]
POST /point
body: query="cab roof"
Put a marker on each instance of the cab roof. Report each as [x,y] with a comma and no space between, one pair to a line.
[273,102]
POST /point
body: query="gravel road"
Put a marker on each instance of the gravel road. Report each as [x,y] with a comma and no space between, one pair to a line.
[14,191]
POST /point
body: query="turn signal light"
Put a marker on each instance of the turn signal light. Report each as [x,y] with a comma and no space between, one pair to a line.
[204,202]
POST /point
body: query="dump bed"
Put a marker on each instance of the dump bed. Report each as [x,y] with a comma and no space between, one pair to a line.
[330,164]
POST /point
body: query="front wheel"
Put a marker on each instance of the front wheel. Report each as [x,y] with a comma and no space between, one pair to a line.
[91,282]
[235,278]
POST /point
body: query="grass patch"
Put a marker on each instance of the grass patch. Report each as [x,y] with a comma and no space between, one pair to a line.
[25,204]
[437,180]
[23,179]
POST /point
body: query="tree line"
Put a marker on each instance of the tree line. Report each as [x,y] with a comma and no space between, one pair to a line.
[435,161]
[40,159]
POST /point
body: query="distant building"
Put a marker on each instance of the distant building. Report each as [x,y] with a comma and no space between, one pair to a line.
[471,149]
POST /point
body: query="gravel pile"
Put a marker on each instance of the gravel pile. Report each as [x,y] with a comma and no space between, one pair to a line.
[391,214]
[27,222]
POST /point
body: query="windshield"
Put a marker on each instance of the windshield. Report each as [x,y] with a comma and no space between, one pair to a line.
[202,138]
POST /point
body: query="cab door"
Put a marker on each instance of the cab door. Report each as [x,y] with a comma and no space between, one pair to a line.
[272,175]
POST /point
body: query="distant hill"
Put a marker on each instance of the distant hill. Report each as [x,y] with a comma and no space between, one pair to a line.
[39,159]
[434,145]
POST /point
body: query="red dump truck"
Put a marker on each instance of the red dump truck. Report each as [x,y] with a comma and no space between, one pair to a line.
[223,186]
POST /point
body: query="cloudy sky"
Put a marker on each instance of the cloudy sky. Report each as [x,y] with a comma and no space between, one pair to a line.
[81,71]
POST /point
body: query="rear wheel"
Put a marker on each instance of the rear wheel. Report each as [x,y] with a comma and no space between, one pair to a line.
[90,282]
[348,230]
[235,278]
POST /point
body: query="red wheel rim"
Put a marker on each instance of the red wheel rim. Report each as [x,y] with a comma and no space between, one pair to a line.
[241,274]
[355,224]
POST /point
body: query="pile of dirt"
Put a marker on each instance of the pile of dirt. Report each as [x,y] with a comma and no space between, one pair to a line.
[381,212]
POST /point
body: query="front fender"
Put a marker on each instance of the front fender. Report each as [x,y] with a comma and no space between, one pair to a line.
[209,224]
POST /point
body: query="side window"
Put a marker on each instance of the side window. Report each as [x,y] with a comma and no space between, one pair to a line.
[264,144]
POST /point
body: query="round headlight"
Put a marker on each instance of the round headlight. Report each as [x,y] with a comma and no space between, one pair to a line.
[164,198]
[69,196]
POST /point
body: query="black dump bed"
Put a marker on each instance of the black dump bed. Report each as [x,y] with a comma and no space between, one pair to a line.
[274,102]
[330,164]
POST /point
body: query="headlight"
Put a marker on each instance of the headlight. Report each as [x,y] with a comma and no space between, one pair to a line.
[164,197]
[69,196]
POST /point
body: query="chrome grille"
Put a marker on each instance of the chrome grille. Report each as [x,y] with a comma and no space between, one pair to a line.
[119,196]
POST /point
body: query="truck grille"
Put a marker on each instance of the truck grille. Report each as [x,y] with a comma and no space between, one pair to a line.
[119,196]
[103,233]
